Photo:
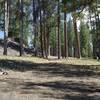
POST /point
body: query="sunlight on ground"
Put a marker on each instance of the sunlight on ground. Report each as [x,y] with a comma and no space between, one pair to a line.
[73,61]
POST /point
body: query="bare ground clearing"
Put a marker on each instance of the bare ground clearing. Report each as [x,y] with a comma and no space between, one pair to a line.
[40,79]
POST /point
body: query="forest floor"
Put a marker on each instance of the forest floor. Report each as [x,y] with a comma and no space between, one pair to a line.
[32,78]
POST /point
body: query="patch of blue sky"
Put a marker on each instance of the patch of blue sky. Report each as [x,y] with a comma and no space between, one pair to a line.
[1,35]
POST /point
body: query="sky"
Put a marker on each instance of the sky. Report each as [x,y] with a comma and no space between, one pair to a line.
[1,35]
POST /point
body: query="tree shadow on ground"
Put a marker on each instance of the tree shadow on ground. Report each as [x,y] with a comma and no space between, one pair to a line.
[63,90]
[59,90]
[66,70]
[72,90]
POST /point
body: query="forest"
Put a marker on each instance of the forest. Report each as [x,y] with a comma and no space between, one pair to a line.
[49,49]
[62,28]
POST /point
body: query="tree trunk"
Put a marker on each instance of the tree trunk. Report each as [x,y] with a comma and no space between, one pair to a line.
[6,22]
[77,39]
[59,41]
[47,41]
[21,29]
[41,31]
[44,35]
[65,37]
[34,27]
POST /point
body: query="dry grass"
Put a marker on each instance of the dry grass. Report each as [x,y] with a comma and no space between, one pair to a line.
[73,61]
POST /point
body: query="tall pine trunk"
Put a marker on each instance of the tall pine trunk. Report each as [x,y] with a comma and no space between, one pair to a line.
[21,29]
[41,30]
[65,36]
[6,22]
[34,27]
[59,41]
[47,41]
[44,36]
[77,39]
